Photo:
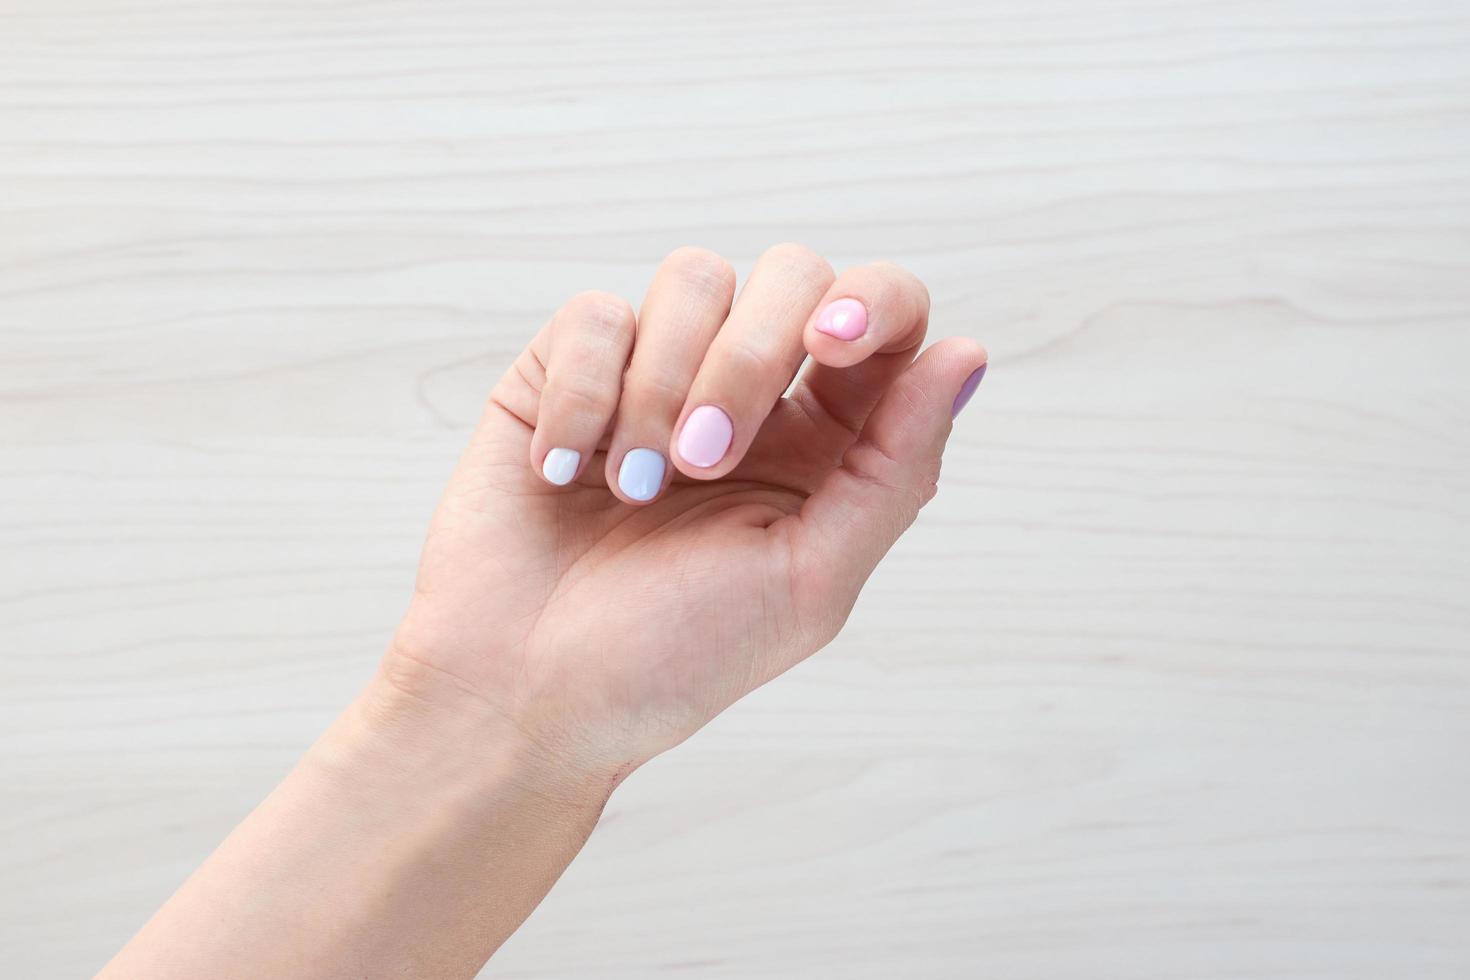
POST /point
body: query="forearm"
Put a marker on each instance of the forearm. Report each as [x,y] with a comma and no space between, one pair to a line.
[409,841]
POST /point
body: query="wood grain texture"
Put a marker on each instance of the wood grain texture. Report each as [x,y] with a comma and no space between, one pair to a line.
[1173,678]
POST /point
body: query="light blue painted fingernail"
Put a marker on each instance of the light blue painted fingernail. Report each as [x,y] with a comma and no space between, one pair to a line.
[560,466]
[642,473]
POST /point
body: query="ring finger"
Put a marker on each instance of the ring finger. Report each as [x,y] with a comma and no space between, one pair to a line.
[686,303]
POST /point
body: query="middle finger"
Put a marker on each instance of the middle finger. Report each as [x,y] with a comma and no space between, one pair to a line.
[686,303]
[750,363]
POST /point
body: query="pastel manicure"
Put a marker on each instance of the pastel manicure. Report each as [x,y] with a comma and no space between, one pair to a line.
[560,466]
[642,473]
[706,436]
[845,319]
[967,390]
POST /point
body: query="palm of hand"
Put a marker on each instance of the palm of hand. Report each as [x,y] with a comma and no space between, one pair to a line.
[647,621]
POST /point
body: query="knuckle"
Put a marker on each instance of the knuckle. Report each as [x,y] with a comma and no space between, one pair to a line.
[910,393]
[799,257]
[649,389]
[928,480]
[605,313]
[747,362]
[576,391]
[901,288]
[872,464]
[887,293]
[919,292]
[701,268]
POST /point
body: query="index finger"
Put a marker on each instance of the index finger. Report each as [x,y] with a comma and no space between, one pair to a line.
[865,332]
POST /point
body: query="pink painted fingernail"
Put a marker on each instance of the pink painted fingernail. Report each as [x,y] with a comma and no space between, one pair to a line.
[706,436]
[845,319]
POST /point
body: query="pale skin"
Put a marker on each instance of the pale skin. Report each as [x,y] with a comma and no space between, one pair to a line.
[564,630]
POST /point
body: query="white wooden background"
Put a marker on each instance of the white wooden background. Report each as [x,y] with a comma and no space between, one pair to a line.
[1172,680]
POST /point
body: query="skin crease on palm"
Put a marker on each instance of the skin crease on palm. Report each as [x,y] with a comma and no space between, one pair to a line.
[649,521]
[608,630]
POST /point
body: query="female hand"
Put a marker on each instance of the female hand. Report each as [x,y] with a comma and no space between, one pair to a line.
[643,529]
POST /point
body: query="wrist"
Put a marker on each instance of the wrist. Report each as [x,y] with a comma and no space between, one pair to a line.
[413,724]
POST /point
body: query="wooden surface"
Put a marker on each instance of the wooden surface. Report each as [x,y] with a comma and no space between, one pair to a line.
[1172,680]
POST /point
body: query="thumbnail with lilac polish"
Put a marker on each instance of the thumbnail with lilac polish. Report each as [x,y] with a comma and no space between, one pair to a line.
[967,390]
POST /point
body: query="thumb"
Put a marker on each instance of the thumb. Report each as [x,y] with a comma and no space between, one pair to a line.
[862,507]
